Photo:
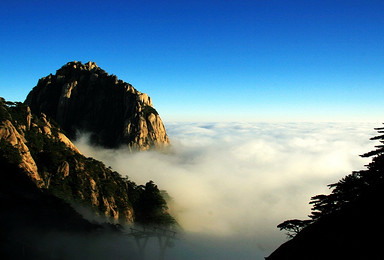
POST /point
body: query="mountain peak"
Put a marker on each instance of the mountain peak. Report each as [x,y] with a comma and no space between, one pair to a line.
[79,65]
[83,97]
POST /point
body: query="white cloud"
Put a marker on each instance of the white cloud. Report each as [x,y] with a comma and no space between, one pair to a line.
[240,180]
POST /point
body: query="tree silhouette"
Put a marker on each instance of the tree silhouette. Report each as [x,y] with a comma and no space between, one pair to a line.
[151,207]
[293,226]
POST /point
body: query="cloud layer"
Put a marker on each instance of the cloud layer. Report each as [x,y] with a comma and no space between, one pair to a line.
[236,181]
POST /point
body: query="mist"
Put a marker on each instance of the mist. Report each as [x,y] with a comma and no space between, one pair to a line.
[232,183]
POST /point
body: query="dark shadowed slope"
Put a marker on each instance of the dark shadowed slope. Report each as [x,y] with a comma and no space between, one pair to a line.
[36,225]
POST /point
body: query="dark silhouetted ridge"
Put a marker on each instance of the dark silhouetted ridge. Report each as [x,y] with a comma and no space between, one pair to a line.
[347,223]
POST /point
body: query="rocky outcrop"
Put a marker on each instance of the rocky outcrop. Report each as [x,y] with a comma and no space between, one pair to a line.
[9,134]
[83,97]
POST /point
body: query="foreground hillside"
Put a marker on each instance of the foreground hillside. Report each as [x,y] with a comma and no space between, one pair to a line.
[38,148]
[347,223]
[29,214]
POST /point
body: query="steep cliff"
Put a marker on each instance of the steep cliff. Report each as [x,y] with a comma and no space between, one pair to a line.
[39,148]
[83,97]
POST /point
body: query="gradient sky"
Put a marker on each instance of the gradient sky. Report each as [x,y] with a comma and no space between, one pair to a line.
[257,60]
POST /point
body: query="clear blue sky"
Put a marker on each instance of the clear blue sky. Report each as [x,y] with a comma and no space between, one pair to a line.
[259,60]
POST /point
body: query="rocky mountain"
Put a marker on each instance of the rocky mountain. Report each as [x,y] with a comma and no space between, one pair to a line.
[37,146]
[83,97]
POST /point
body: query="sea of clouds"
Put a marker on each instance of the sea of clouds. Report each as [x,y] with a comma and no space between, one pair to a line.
[233,183]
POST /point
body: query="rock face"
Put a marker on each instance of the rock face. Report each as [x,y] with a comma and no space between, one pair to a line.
[83,97]
[9,134]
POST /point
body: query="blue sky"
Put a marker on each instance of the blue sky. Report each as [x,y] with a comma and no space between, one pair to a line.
[259,60]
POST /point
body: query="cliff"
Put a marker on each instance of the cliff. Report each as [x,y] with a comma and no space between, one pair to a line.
[83,97]
[37,146]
